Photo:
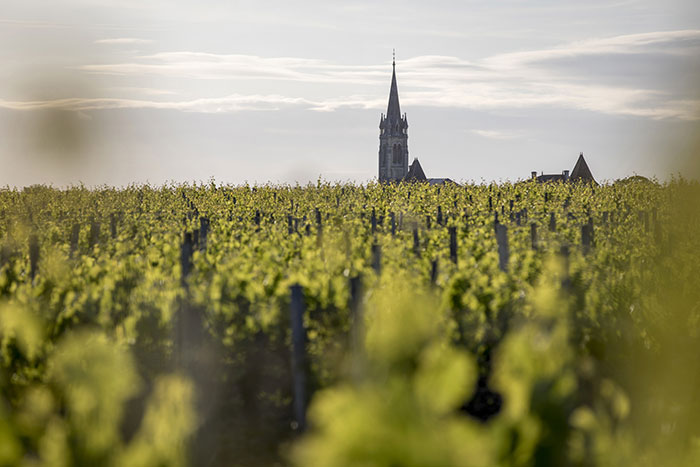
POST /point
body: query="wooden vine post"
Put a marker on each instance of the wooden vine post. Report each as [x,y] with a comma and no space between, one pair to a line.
[453,244]
[33,256]
[503,251]
[377,258]
[74,238]
[298,357]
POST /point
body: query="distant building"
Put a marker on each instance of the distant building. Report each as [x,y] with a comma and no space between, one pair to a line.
[581,172]
[393,138]
[393,144]
[393,150]
[416,174]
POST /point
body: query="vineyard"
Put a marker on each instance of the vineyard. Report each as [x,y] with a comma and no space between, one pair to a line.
[342,325]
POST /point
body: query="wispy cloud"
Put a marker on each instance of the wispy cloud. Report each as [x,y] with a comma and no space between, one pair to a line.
[686,110]
[32,24]
[142,90]
[669,42]
[202,65]
[123,40]
[519,80]
[232,103]
[199,65]
[498,134]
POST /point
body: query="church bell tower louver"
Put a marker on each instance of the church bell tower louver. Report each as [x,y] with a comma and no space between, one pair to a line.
[393,137]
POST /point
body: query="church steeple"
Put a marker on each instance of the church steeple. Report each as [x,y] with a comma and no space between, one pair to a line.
[393,111]
[393,136]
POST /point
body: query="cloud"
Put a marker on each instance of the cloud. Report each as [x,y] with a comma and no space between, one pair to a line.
[498,134]
[225,104]
[32,24]
[123,40]
[199,65]
[518,80]
[685,110]
[232,103]
[423,69]
[594,98]
[142,90]
[669,42]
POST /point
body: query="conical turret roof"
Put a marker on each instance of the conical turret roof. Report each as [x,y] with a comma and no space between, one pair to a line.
[581,171]
[415,172]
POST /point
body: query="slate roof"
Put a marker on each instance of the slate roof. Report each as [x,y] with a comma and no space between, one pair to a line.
[415,173]
[581,171]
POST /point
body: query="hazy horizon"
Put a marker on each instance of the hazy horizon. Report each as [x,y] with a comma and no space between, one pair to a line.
[131,92]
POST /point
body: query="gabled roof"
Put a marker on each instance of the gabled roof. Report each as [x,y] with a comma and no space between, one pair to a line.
[415,173]
[581,171]
[393,111]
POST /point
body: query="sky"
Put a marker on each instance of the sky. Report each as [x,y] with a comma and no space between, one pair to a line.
[135,91]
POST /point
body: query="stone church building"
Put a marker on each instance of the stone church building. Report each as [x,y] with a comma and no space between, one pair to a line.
[393,143]
[393,138]
[393,150]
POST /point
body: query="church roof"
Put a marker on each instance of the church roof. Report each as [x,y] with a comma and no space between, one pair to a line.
[415,173]
[581,171]
[393,111]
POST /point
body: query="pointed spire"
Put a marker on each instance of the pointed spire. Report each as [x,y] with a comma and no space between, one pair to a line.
[393,113]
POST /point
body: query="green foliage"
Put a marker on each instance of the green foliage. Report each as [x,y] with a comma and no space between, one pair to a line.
[83,368]
[168,423]
[592,353]
[402,411]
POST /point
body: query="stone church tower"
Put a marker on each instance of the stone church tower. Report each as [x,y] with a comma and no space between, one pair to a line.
[393,137]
